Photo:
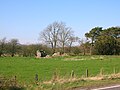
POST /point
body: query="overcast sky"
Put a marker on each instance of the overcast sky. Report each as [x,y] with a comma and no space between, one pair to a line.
[25,19]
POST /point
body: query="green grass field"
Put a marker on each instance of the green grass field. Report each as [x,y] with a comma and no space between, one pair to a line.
[25,68]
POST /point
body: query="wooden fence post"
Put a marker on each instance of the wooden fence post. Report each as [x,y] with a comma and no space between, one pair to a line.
[72,73]
[36,77]
[86,72]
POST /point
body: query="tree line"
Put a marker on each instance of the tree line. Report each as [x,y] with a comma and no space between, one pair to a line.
[14,48]
[58,37]
[99,41]
[104,41]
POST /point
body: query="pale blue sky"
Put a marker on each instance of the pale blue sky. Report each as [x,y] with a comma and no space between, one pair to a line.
[25,19]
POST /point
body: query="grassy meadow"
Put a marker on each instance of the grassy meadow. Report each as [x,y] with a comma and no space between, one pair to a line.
[25,68]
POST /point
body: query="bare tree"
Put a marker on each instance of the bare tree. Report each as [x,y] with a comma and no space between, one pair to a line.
[64,36]
[70,42]
[56,35]
[84,45]
[50,35]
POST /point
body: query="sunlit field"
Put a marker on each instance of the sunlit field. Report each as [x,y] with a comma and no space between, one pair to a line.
[25,68]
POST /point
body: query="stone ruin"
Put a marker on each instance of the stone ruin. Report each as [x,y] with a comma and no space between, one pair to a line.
[56,54]
[59,54]
[38,54]
[42,53]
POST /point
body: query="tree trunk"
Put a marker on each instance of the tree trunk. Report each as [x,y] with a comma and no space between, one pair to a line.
[63,48]
[91,48]
[83,50]
[70,47]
